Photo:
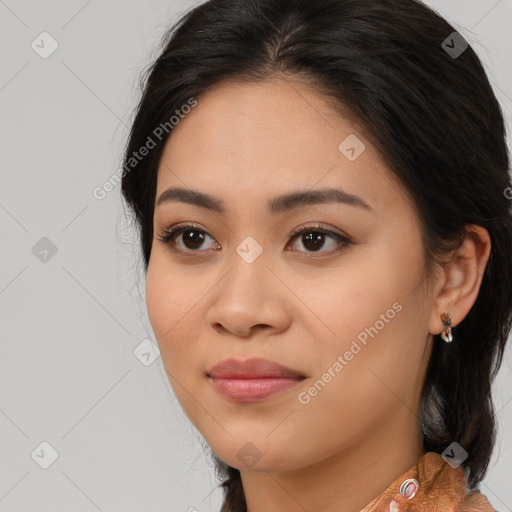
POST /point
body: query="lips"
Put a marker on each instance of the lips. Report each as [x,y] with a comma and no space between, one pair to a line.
[252,369]
[252,380]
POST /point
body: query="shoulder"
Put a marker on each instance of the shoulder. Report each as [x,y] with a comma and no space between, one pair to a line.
[474,502]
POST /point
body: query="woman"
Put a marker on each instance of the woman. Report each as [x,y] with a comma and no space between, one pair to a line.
[321,195]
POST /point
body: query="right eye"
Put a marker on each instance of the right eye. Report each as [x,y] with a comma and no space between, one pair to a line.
[193,239]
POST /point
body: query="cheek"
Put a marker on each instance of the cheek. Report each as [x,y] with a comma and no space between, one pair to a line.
[169,304]
[175,299]
[373,316]
[159,301]
[369,370]
[348,302]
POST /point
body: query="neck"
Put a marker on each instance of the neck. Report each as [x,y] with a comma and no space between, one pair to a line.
[347,480]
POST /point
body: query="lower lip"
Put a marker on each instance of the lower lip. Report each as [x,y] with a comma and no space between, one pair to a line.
[253,390]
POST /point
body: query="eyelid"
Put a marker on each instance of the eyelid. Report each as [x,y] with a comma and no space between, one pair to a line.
[320,228]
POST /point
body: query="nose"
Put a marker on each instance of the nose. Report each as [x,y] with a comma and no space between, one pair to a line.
[248,300]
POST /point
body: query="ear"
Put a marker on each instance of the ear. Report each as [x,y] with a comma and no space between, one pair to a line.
[460,278]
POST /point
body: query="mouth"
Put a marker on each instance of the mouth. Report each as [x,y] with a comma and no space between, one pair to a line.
[253,390]
[253,379]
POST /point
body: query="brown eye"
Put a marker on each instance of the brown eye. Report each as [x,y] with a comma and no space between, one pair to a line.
[192,240]
[314,239]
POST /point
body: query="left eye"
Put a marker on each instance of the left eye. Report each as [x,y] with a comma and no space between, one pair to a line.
[312,237]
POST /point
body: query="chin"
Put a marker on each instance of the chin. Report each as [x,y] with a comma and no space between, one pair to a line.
[247,453]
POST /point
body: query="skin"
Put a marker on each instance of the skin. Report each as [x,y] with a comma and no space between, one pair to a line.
[245,144]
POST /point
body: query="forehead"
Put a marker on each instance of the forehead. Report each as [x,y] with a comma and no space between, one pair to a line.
[259,140]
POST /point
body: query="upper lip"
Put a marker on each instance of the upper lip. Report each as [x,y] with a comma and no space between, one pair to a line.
[251,369]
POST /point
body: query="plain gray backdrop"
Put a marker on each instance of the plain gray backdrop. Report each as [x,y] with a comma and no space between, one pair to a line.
[85,424]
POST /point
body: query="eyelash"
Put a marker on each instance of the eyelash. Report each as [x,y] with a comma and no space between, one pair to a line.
[174,231]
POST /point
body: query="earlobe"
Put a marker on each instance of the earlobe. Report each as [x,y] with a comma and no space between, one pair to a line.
[462,278]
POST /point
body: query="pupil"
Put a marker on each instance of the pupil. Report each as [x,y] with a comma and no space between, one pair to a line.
[196,241]
[315,241]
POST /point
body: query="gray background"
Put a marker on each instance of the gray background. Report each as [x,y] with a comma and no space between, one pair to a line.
[69,325]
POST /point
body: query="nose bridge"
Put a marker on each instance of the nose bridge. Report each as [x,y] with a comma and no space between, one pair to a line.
[250,250]
[249,273]
[250,294]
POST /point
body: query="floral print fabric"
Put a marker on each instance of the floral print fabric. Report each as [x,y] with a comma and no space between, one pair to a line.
[431,485]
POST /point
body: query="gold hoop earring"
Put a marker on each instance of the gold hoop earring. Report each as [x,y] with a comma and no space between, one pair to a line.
[447,335]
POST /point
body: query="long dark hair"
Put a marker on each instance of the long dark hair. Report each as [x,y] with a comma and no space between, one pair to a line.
[426,103]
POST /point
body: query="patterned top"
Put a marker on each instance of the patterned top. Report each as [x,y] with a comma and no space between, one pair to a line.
[431,485]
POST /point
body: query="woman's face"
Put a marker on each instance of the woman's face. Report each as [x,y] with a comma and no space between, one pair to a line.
[349,315]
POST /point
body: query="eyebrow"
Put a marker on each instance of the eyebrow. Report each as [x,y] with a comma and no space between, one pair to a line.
[275,206]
